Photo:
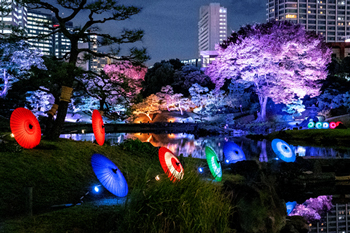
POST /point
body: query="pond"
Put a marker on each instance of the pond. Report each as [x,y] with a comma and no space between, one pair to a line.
[335,219]
[189,145]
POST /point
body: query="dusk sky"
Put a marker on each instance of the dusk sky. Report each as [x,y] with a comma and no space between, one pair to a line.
[171,26]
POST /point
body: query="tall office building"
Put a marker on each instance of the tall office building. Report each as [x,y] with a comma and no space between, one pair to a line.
[212,26]
[39,24]
[212,30]
[330,18]
[336,220]
[61,44]
[17,16]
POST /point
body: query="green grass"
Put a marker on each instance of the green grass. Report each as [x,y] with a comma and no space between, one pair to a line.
[60,172]
[190,205]
[315,137]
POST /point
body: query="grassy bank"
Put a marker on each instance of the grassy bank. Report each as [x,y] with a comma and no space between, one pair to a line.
[315,137]
[60,172]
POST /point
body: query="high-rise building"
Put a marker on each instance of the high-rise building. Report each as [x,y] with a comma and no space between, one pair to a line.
[212,26]
[330,18]
[17,16]
[61,44]
[336,220]
[212,30]
[39,24]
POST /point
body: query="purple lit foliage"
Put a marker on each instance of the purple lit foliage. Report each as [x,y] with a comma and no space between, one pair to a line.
[207,102]
[16,60]
[313,208]
[280,59]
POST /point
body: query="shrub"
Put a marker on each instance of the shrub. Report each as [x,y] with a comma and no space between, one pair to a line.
[189,205]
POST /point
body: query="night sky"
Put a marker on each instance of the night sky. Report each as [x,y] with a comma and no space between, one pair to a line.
[170,26]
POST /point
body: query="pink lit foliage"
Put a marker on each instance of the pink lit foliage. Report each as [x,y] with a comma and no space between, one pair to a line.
[128,76]
[116,86]
[172,101]
[16,59]
[280,59]
[313,208]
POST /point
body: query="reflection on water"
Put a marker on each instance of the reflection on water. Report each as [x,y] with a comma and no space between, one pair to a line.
[188,145]
[336,219]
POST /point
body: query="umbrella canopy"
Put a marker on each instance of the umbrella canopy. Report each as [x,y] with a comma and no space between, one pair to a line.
[290,206]
[25,128]
[213,162]
[109,175]
[283,150]
[98,127]
[170,164]
[233,153]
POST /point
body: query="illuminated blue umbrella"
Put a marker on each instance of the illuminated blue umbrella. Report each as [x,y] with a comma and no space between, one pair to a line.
[109,175]
[233,153]
[283,150]
[290,206]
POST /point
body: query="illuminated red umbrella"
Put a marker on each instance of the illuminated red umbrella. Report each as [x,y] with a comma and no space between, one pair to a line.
[170,164]
[25,128]
[98,127]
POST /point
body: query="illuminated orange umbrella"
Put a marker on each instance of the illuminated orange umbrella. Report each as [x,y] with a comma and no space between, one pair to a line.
[170,164]
[98,127]
[25,128]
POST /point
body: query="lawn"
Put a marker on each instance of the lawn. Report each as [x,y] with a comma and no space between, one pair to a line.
[60,172]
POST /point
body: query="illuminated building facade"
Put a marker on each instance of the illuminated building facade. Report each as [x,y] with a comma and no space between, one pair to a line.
[39,24]
[336,221]
[17,16]
[212,30]
[331,18]
[61,44]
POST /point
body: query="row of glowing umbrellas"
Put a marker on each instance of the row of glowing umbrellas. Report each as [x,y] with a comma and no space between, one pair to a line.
[27,132]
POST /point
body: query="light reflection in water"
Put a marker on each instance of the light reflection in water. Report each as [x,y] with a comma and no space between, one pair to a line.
[187,144]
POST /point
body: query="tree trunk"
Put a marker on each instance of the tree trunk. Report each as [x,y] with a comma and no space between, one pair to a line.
[102,103]
[49,124]
[63,105]
[263,103]
[59,122]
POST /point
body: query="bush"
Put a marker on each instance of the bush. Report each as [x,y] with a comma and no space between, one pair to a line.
[189,205]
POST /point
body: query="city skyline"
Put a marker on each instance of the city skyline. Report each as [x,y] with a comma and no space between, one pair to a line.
[171,28]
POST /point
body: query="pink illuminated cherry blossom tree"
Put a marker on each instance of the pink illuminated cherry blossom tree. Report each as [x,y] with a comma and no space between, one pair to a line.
[118,84]
[124,72]
[279,58]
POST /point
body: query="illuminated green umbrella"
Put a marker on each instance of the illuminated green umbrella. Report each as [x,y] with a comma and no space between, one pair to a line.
[213,162]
